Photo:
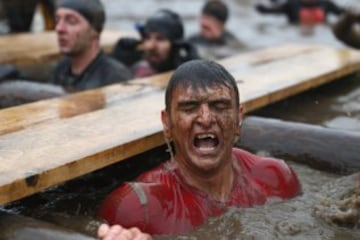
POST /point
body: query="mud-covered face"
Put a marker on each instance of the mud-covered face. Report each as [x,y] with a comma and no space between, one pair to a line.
[74,32]
[203,124]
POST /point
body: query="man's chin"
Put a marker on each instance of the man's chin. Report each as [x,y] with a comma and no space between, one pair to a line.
[160,65]
[64,50]
[69,53]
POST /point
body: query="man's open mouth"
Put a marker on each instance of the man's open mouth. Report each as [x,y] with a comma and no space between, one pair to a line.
[206,142]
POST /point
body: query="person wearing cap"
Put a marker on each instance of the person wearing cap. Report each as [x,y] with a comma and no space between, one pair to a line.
[79,24]
[162,46]
[214,40]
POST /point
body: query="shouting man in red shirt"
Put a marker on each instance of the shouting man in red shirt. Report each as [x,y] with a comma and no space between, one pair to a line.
[205,175]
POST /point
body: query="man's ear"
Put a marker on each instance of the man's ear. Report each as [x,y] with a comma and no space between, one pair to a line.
[240,116]
[166,124]
[94,34]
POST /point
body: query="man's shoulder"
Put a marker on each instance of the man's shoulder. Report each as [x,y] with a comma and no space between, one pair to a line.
[274,174]
[196,38]
[257,164]
[61,71]
[110,70]
[113,64]
[62,65]
[131,202]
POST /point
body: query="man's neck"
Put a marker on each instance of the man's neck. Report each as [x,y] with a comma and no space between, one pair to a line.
[80,62]
[217,185]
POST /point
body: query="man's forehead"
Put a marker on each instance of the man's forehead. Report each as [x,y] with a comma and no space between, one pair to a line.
[156,34]
[189,91]
[68,11]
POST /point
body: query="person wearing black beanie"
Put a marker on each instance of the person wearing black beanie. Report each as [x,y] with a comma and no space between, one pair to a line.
[162,44]
[213,33]
[79,24]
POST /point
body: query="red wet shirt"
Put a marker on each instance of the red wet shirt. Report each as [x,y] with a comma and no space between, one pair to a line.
[161,201]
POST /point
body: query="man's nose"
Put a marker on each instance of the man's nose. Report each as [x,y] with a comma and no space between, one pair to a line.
[205,116]
[150,43]
[60,26]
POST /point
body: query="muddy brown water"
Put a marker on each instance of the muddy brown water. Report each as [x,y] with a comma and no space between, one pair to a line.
[313,215]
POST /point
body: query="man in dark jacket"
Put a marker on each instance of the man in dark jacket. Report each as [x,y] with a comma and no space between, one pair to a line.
[84,66]
[161,48]
[214,41]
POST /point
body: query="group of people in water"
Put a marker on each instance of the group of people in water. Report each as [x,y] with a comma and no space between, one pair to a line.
[201,121]
[162,45]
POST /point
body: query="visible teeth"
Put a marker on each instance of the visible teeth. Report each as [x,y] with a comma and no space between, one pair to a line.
[206,148]
[207,135]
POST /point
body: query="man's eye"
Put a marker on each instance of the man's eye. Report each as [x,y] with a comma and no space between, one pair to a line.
[72,21]
[221,105]
[188,108]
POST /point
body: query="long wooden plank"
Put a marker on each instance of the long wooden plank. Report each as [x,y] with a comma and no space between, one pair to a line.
[55,150]
[36,48]
[24,116]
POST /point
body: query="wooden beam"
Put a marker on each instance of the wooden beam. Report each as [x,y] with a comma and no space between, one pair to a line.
[46,143]
[326,149]
[35,48]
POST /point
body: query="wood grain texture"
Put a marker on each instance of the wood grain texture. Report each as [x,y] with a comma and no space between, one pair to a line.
[35,48]
[45,143]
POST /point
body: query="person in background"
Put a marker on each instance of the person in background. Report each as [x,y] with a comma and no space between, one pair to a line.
[347,29]
[205,174]
[20,14]
[213,35]
[307,12]
[161,48]
[79,24]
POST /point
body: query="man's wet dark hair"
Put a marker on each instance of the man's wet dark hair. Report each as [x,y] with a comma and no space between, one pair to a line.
[200,74]
[216,9]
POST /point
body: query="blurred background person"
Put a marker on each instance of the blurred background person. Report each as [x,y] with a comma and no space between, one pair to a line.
[213,35]
[79,24]
[162,46]
[308,12]
[347,29]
